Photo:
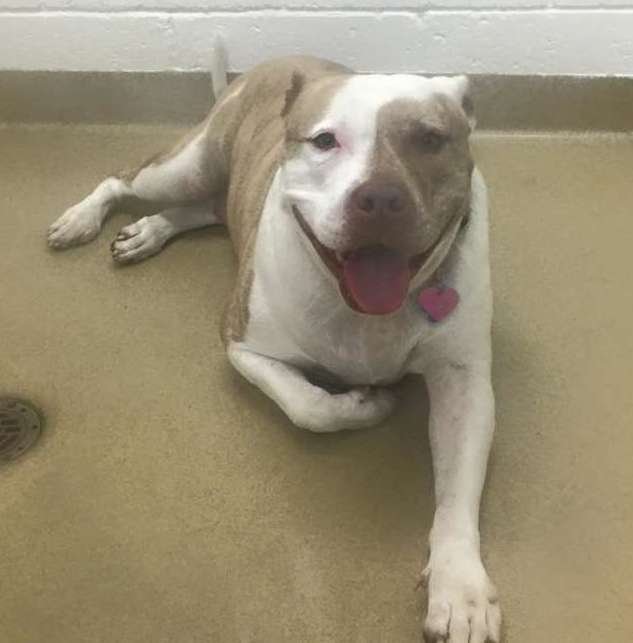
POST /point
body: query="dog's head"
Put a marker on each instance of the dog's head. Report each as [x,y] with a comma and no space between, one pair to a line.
[377,173]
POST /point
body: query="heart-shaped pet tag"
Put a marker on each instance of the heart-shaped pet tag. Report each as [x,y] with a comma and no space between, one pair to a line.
[438,302]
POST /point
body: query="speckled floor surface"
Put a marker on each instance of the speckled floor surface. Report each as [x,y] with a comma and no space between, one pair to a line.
[170,502]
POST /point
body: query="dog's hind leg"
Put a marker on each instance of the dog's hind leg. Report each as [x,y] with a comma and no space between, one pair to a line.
[82,222]
[148,235]
[191,173]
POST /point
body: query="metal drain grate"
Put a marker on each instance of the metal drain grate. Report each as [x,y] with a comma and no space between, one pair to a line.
[20,426]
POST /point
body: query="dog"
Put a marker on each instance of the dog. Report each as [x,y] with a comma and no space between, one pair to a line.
[360,223]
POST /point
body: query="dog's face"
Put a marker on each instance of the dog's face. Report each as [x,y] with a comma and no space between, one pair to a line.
[377,173]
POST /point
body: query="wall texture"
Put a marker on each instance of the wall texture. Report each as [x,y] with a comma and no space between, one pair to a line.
[482,36]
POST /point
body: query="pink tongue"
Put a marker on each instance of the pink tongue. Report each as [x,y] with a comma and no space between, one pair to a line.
[377,279]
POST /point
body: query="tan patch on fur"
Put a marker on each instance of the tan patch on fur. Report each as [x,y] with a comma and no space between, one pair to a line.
[309,106]
[434,181]
[254,140]
[438,181]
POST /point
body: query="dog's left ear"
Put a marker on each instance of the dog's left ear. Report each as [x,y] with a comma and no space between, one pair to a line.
[464,96]
[296,85]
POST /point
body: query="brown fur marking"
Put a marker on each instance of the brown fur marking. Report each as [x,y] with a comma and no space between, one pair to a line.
[437,179]
[254,142]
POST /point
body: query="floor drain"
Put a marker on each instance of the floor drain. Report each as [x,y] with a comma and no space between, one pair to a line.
[20,426]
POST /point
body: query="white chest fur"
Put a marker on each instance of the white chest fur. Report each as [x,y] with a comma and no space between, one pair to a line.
[298,316]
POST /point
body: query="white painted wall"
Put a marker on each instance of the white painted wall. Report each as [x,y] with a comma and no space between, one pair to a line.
[592,37]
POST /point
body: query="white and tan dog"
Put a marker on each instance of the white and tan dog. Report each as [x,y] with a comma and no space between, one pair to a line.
[361,228]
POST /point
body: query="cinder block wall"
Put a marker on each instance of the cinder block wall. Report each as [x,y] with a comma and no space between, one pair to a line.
[483,36]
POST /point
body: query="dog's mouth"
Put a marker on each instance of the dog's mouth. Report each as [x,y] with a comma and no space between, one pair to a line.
[373,279]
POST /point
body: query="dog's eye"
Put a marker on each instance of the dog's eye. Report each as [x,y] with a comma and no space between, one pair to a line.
[430,140]
[324,141]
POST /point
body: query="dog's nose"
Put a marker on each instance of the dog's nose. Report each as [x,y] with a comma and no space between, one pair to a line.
[377,199]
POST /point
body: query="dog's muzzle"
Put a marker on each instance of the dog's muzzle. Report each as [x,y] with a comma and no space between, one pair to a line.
[373,279]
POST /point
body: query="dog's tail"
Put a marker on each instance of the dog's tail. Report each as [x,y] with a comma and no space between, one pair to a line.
[219,71]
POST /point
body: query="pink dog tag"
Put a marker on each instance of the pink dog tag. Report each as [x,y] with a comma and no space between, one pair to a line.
[438,302]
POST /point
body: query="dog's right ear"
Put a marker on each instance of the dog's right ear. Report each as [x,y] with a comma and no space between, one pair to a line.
[296,85]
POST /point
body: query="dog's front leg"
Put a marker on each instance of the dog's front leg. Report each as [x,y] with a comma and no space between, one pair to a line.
[309,406]
[462,601]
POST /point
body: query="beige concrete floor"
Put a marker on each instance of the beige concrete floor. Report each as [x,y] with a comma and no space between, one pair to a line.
[170,502]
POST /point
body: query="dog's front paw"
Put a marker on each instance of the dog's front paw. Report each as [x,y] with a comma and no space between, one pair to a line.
[78,225]
[365,407]
[462,601]
[356,409]
[138,241]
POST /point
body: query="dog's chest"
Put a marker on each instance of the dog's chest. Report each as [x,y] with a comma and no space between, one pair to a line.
[323,335]
[297,315]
